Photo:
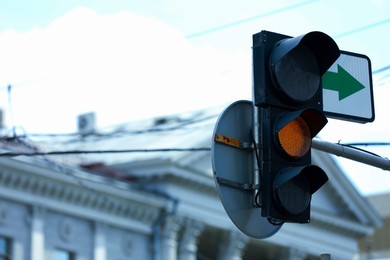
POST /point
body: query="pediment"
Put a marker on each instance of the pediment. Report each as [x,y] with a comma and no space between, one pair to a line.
[338,198]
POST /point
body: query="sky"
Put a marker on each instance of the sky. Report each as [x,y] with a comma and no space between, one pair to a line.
[130,60]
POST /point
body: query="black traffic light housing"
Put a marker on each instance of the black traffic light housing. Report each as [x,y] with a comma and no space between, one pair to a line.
[288,178]
[287,76]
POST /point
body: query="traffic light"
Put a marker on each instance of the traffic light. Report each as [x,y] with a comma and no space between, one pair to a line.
[287,76]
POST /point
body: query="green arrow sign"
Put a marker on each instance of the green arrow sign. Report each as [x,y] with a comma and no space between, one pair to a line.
[342,82]
[348,91]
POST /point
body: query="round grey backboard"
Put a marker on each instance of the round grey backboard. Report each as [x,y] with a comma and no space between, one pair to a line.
[233,164]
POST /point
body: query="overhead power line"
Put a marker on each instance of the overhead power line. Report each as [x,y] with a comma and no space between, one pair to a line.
[154,150]
[249,19]
[181,124]
[280,10]
[381,69]
[363,28]
[368,144]
[11,154]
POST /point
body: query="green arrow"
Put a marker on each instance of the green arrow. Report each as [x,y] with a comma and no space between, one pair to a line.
[342,82]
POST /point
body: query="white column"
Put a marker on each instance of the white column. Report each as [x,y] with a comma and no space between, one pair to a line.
[232,246]
[295,254]
[37,233]
[188,247]
[100,248]
[169,235]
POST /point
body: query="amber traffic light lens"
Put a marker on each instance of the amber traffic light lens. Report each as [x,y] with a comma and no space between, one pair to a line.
[295,138]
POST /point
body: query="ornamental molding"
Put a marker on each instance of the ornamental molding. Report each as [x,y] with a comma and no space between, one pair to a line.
[3,214]
[127,244]
[66,229]
[336,223]
[199,186]
[52,193]
[172,172]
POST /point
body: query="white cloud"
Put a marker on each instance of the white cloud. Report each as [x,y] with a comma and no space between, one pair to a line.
[126,66]
[123,66]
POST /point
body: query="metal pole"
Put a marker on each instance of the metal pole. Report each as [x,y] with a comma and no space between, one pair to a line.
[351,153]
[256,139]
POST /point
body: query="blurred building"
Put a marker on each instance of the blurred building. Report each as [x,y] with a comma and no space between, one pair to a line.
[377,245]
[154,201]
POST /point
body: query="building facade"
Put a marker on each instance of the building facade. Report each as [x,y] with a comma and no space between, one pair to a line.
[156,205]
[377,245]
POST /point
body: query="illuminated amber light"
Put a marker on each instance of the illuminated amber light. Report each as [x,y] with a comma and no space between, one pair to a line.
[295,138]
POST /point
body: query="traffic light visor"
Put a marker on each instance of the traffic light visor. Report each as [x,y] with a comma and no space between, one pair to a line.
[322,46]
[296,74]
[295,131]
[297,64]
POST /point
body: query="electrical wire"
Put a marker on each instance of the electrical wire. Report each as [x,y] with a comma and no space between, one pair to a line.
[284,9]
[12,154]
[179,125]
[259,190]
[359,149]
[368,144]
[382,70]
[353,146]
[248,19]
[363,28]
[185,123]
[385,68]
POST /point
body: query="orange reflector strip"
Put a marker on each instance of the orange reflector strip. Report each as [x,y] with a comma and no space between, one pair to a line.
[295,138]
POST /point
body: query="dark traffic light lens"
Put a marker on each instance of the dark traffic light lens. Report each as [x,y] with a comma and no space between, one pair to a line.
[294,195]
[297,73]
[294,187]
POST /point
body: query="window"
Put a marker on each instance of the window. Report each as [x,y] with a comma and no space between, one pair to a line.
[60,254]
[5,248]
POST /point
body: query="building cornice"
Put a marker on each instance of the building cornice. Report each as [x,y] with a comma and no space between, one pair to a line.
[92,199]
[336,223]
[183,177]
[113,202]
